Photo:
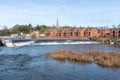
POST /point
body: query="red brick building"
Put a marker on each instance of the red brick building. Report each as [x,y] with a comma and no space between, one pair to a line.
[110,32]
[77,33]
[115,32]
[84,32]
[72,33]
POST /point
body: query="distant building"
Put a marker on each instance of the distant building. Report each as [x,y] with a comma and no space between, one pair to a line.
[27,35]
[110,32]
[35,34]
[71,33]
[14,35]
[79,33]
[57,23]
[91,32]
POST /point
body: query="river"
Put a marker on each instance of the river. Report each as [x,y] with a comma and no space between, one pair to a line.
[29,63]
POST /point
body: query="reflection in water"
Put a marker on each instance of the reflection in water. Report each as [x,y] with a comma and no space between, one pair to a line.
[79,62]
[60,60]
[73,61]
[113,68]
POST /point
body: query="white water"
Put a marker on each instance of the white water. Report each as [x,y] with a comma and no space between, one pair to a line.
[18,44]
[9,43]
[24,43]
[67,42]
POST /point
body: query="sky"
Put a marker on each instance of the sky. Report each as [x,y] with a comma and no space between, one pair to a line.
[96,13]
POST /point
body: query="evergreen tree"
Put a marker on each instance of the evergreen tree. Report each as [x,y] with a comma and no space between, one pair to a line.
[113,26]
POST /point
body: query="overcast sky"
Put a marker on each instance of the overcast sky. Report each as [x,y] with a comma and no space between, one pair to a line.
[69,12]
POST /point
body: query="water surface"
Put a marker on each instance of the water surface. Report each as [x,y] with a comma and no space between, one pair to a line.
[29,63]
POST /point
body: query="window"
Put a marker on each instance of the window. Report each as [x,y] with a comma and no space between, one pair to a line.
[113,33]
[89,33]
[59,34]
[77,34]
[64,34]
[71,34]
[119,34]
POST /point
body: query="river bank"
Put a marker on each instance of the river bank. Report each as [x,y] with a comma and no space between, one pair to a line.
[108,40]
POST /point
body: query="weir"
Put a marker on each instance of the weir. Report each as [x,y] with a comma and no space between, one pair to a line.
[23,42]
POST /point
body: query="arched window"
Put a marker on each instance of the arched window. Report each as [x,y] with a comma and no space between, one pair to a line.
[77,34]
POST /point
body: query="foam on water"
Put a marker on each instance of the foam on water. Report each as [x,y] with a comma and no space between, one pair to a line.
[66,43]
[55,43]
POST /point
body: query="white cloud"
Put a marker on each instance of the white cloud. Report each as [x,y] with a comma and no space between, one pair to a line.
[11,15]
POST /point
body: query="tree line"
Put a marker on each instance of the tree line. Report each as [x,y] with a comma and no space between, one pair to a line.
[23,28]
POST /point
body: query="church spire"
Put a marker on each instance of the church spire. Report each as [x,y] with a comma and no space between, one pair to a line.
[57,23]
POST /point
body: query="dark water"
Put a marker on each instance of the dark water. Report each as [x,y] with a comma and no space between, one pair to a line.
[29,63]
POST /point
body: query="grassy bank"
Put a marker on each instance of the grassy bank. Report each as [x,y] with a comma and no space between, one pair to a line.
[108,40]
[108,59]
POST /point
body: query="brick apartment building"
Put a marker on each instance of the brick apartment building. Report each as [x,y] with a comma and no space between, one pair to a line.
[72,33]
[110,32]
[77,33]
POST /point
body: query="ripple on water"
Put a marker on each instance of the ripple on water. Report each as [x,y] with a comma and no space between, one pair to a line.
[29,63]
